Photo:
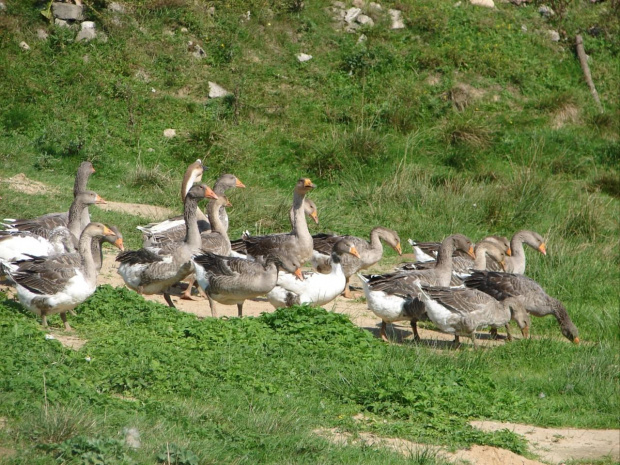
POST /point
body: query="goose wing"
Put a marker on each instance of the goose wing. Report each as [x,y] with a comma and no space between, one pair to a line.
[502,285]
[46,275]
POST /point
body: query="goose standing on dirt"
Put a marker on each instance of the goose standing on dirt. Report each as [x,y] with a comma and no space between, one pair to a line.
[461,311]
[58,284]
[154,270]
[536,301]
[315,288]
[297,244]
[516,263]
[45,225]
[369,252]
[393,297]
[232,280]
[17,244]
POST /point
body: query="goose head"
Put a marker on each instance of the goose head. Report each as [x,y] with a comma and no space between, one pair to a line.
[89,198]
[344,246]
[304,185]
[464,244]
[98,229]
[519,315]
[193,174]
[202,191]
[534,240]
[115,239]
[493,251]
[501,242]
[310,210]
[391,237]
[225,182]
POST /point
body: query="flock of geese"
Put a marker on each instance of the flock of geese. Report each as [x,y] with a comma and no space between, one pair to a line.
[53,261]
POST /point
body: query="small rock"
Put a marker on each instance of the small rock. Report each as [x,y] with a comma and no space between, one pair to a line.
[87,32]
[170,133]
[358,3]
[246,16]
[49,337]
[365,20]
[61,23]
[523,28]
[361,38]
[217,91]
[196,50]
[153,90]
[554,35]
[374,7]
[42,34]
[184,29]
[484,3]
[340,5]
[24,46]
[301,57]
[151,149]
[132,437]
[67,11]
[546,12]
[116,7]
[87,358]
[352,14]
[397,20]
[351,28]
[541,395]
[211,11]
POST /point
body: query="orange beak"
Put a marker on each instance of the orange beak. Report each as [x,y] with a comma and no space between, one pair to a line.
[228,204]
[239,183]
[308,183]
[353,251]
[315,216]
[299,274]
[119,244]
[209,194]
[470,252]
[542,248]
[509,252]
[93,170]
[99,199]
[576,340]
[107,231]
[398,249]
[526,332]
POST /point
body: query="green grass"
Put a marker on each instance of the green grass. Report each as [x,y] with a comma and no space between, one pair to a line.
[460,122]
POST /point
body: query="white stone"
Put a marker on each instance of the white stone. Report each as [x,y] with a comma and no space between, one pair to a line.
[61,23]
[132,437]
[24,46]
[523,28]
[352,14]
[87,32]
[42,34]
[375,7]
[217,91]
[301,57]
[365,20]
[361,38]
[397,20]
[88,25]
[197,50]
[211,11]
[170,133]
[553,35]
[116,7]
[546,12]
[184,29]
[68,11]
[484,3]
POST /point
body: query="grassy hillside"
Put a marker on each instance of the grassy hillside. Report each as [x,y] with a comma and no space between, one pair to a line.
[467,120]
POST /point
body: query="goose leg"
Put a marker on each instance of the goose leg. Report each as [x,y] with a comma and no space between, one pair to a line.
[240,309]
[43,320]
[526,332]
[414,327]
[493,333]
[473,340]
[457,340]
[383,334]
[212,305]
[63,317]
[347,292]
[168,299]
[187,293]
[508,335]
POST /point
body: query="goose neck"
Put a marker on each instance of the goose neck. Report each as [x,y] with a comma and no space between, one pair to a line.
[192,234]
[86,254]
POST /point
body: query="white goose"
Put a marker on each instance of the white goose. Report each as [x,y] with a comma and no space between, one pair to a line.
[315,288]
[58,284]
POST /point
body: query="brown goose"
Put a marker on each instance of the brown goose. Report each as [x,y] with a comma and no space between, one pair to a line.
[392,297]
[57,284]
[461,311]
[45,224]
[297,244]
[516,263]
[536,301]
[154,270]
[369,252]
[232,280]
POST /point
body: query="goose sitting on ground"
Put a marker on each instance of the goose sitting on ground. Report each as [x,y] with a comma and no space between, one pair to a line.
[154,270]
[536,301]
[392,297]
[516,263]
[369,252]
[58,284]
[297,245]
[16,244]
[232,280]
[427,251]
[238,246]
[45,225]
[461,311]
[315,288]
[173,229]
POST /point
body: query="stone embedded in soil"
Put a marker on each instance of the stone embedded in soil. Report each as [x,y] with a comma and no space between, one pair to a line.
[68,11]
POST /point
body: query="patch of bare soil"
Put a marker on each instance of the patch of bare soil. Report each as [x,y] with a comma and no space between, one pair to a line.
[557,445]
[21,183]
[482,455]
[568,114]
[68,340]
[152,212]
